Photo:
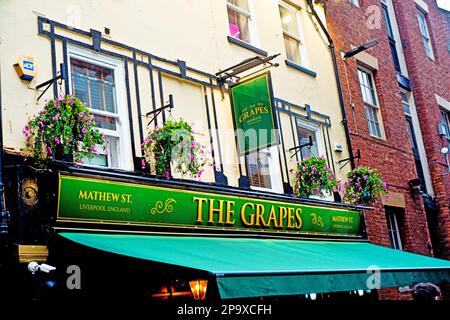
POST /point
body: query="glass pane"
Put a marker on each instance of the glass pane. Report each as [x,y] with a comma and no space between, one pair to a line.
[289,21]
[94,85]
[112,146]
[100,160]
[405,103]
[387,21]
[238,24]
[243,4]
[292,49]
[105,122]
[303,136]
[259,171]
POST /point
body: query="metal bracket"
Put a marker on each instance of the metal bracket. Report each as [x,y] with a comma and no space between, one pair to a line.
[299,148]
[247,64]
[61,76]
[347,160]
[156,112]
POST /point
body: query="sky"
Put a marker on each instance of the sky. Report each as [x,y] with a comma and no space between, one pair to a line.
[444,4]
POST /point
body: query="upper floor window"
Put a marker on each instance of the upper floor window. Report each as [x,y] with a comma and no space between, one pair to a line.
[421,16]
[446,122]
[367,85]
[97,83]
[354,2]
[391,36]
[239,19]
[263,170]
[308,132]
[290,23]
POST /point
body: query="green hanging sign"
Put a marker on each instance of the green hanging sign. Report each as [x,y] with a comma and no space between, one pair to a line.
[93,200]
[253,114]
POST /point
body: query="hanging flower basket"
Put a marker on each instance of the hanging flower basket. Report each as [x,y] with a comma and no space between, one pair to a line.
[363,186]
[174,144]
[64,130]
[314,177]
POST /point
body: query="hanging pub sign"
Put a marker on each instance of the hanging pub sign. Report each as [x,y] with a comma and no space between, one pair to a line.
[253,114]
[84,199]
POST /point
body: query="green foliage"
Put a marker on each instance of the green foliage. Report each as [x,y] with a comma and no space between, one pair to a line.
[313,177]
[363,186]
[174,143]
[64,128]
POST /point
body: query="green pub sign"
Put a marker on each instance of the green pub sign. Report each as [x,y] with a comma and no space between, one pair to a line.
[253,114]
[84,199]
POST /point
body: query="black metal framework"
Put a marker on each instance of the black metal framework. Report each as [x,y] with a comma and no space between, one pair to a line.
[156,67]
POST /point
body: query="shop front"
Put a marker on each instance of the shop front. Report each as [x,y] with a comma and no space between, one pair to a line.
[183,241]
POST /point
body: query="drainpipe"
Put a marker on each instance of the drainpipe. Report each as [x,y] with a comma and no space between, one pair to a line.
[3,213]
[338,81]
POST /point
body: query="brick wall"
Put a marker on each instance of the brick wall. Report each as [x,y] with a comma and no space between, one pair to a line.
[392,156]
[429,77]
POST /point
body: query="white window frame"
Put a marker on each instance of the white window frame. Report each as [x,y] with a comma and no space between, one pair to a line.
[251,21]
[320,148]
[377,103]
[301,43]
[275,172]
[425,32]
[392,224]
[318,135]
[125,161]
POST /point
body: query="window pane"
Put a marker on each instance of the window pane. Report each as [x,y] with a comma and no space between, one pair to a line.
[405,103]
[292,49]
[94,85]
[387,21]
[238,24]
[372,121]
[445,122]
[105,122]
[243,4]
[367,87]
[303,137]
[289,21]
[259,171]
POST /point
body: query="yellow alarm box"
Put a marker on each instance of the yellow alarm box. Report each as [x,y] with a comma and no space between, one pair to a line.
[25,68]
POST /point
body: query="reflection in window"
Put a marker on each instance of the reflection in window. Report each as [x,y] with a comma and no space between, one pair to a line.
[291,33]
[259,169]
[95,85]
[304,135]
[239,19]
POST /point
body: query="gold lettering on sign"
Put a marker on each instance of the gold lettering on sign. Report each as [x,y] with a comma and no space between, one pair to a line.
[105,196]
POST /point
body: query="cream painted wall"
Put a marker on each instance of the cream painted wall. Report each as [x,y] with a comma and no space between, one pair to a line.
[191,30]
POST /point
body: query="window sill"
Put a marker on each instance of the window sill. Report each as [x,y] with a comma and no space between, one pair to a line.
[300,68]
[247,46]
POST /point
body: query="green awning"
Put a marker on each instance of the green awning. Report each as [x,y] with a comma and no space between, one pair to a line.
[248,267]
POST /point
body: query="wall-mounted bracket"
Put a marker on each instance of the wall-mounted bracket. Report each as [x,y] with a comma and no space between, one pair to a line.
[351,158]
[300,147]
[61,76]
[156,112]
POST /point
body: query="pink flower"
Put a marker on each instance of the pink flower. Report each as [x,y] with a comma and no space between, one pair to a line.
[57,140]
[167,175]
[81,114]
[49,150]
[83,130]
[142,163]
[70,102]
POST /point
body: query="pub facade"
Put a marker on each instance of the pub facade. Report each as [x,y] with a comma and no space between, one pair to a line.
[113,223]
